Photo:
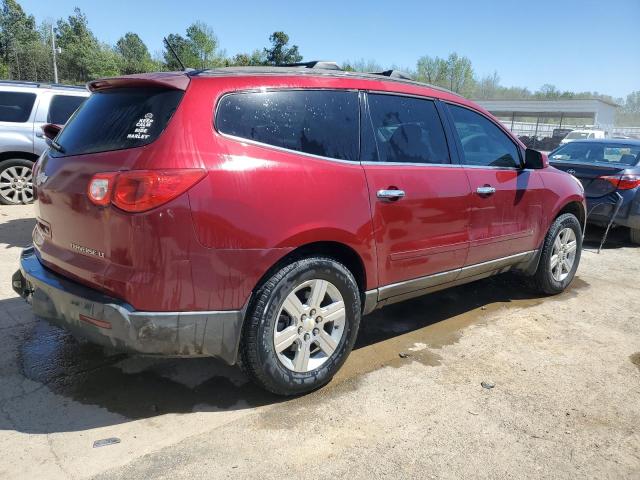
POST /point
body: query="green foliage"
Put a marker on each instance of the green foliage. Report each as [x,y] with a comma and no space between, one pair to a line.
[134,55]
[454,73]
[255,58]
[362,65]
[280,53]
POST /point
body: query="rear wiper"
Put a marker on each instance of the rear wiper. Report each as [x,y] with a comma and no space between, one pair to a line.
[56,146]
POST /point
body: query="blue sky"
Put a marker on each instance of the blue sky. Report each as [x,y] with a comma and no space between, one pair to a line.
[579,45]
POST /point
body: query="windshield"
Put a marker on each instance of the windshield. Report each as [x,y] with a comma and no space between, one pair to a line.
[117,119]
[596,152]
[577,135]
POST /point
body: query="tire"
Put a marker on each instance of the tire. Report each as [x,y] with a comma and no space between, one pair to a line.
[288,370]
[554,274]
[16,182]
[634,234]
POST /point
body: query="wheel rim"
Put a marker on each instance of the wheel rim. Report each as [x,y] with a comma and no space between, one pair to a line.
[309,326]
[16,184]
[563,255]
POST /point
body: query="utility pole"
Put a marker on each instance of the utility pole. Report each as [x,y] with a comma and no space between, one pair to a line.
[55,51]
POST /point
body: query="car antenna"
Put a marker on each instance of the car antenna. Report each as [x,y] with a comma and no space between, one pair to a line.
[172,50]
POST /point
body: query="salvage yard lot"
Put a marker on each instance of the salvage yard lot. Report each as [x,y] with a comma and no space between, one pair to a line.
[566,400]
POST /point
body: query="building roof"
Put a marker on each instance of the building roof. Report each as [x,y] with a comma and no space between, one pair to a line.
[590,105]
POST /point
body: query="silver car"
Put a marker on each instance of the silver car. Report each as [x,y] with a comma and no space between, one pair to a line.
[24,108]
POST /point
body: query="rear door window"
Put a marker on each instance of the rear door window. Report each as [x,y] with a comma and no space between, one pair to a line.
[61,108]
[316,122]
[405,130]
[16,106]
[117,119]
[483,143]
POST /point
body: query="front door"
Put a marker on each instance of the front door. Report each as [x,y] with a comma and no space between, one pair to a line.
[419,199]
[506,199]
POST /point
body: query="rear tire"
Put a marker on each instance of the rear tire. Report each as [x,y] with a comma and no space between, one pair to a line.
[634,233]
[560,255]
[287,347]
[16,182]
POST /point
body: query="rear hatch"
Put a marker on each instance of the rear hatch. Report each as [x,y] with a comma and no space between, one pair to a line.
[593,177]
[112,131]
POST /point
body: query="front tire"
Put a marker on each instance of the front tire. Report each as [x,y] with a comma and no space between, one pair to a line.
[560,255]
[301,326]
[16,182]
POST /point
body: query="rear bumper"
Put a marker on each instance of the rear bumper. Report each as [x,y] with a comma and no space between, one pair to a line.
[107,321]
[602,208]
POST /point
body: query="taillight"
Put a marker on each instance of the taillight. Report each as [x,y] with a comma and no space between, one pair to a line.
[142,190]
[100,188]
[623,182]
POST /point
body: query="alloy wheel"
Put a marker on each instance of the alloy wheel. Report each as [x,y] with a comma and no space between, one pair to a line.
[563,254]
[16,184]
[309,326]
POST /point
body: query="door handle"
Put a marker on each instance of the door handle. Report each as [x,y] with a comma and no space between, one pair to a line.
[485,190]
[390,194]
[39,134]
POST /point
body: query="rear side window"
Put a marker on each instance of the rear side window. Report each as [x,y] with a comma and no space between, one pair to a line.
[318,122]
[483,143]
[61,108]
[16,106]
[118,119]
[405,130]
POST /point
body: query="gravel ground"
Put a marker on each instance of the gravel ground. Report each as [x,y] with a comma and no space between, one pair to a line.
[565,401]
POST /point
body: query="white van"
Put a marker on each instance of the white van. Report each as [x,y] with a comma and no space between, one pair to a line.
[582,135]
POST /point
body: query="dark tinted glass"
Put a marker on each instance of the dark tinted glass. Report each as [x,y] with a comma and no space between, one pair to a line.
[318,122]
[406,130]
[61,108]
[16,106]
[483,143]
[117,119]
[597,152]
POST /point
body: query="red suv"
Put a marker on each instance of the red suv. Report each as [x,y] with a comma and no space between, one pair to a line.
[255,214]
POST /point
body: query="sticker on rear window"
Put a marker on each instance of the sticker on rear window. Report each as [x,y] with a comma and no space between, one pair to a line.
[142,127]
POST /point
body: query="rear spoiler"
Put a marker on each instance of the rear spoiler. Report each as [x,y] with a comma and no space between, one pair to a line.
[175,80]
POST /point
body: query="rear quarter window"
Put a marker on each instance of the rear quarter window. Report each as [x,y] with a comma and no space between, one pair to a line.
[118,119]
[316,122]
[61,108]
[16,106]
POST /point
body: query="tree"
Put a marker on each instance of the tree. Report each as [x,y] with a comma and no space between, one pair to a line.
[459,74]
[183,48]
[431,70]
[487,87]
[135,57]
[257,57]
[362,65]
[19,40]
[280,53]
[204,44]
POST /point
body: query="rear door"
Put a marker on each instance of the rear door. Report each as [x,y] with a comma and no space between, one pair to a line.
[506,199]
[418,197]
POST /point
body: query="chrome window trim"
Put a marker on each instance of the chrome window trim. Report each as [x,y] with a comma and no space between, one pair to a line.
[412,164]
[283,149]
[286,150]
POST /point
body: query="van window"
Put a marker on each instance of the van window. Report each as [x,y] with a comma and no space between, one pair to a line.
[317,122]
[405,130]
[62,106]
[483,142]
[16,106]
[117,119]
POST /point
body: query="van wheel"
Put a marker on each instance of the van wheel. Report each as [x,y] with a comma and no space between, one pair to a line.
[16,182]
[301,327]
[560,255]
[635,235]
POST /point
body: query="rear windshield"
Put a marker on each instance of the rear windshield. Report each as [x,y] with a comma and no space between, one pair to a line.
[118,119]
[61,108]
[595,152]
[577,136]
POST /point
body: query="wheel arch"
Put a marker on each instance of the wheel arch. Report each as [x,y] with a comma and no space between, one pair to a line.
[576,208]
[32,157]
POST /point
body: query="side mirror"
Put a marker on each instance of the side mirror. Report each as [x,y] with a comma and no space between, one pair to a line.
[535,160]
[51,130]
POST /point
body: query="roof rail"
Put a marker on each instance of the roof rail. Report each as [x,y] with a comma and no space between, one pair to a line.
[321,64]
[394,74]
[40,84]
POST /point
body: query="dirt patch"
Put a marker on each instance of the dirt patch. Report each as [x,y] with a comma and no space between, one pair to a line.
[635,359]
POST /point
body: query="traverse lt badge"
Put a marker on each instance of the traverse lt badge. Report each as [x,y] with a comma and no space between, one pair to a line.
[86,250]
